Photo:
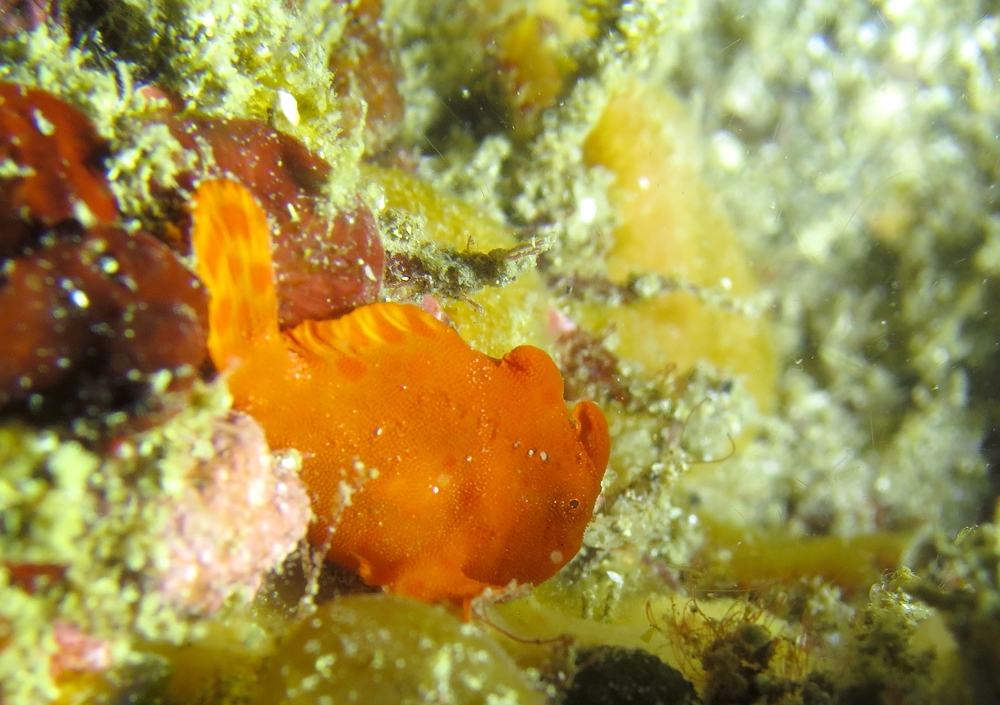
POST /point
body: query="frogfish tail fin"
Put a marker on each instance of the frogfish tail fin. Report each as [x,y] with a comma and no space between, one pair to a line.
[232,245]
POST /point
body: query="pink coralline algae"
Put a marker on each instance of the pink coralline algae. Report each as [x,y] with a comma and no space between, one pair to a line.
[79,652]
[239,513]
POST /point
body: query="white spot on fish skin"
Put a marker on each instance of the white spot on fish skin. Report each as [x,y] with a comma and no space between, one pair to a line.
[543,455]
[531,452]
[556,556]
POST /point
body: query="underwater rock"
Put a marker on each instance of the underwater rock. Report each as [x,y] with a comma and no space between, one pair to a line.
[609,676]
[139,543]
[961,580]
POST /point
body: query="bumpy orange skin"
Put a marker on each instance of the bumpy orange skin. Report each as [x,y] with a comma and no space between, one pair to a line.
[437,470]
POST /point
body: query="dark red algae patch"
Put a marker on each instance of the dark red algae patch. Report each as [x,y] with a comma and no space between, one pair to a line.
[99,307]
[88,312]
[50,167]
[326,264]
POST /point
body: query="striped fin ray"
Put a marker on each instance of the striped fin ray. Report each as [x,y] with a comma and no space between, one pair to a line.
[232,246]
[364,329]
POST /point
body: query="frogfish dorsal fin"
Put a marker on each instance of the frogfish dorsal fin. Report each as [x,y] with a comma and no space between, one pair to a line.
[232,245]
[365,330]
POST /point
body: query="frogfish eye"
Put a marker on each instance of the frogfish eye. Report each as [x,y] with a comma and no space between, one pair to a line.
[574,503]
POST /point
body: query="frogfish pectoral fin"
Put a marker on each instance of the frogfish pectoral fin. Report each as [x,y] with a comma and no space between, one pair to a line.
[431,580]
[426,578]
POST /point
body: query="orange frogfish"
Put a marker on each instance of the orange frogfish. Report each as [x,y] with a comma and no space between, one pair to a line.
[436,471]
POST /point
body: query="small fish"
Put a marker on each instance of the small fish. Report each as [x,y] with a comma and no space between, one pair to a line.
[436,470]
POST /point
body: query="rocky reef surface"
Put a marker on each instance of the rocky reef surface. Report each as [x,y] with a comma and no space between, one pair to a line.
[761,236]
